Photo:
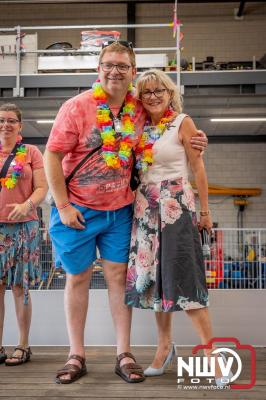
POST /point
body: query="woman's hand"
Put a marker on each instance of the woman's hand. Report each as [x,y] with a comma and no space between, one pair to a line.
[19,211]
[205,222]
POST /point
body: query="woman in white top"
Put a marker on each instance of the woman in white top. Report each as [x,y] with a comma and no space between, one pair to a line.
[166,269]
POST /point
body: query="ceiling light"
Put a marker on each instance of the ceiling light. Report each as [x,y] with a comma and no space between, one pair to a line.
[45,121]
[238,119]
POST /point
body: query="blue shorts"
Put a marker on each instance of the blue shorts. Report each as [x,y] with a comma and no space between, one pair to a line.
[75,249]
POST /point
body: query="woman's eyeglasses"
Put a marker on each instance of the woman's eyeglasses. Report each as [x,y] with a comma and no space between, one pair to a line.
[9,121]
[159,93]
[124,43]
[108,67]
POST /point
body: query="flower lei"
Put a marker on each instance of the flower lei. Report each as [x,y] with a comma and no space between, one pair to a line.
[17,167]
[149,137]
[115,158]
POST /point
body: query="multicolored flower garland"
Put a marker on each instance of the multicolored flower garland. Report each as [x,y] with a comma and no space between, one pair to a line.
[113,156]
[17,166]
[149,136]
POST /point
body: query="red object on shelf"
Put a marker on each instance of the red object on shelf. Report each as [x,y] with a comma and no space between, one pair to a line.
[94,39]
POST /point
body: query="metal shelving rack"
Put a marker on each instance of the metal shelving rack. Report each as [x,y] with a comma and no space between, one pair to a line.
[18,89]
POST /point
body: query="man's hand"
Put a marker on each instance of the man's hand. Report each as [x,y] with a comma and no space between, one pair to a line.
[72,217]
[199,142]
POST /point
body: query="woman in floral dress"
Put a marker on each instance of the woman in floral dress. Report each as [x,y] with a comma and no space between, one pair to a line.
[22,188]
[166,269]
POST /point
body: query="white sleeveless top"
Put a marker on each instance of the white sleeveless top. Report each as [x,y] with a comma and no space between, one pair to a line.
[169,156]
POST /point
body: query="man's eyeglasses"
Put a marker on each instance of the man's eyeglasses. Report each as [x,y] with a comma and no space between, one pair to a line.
[124,43]
[159,93]
[108,67]
[9,121]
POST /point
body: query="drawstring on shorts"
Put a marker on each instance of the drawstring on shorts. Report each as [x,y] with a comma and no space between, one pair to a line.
[108,213]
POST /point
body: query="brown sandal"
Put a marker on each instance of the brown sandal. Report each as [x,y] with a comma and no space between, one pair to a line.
[3,355]
[23,358]
[73,370]
[126,370]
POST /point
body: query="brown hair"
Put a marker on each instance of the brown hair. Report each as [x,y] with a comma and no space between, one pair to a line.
[117,47]
[12,107]
[162,78]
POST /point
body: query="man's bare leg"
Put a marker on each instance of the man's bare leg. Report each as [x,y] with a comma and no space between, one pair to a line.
[115,275]
[76,298]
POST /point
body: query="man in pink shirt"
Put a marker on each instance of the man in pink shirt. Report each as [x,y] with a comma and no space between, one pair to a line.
[95,209]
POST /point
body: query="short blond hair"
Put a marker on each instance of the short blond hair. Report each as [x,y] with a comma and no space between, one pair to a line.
[161,78]
[117,47]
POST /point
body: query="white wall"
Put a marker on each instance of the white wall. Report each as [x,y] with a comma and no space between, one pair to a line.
[235,313]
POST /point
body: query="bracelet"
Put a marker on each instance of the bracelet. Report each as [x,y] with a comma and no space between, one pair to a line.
[31,205]
[204,213]
[63,206]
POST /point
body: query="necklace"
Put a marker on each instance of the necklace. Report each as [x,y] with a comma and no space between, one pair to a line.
[115,156]
[17,166]
[149,136]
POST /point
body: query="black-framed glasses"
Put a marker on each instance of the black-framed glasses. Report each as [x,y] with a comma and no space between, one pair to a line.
[9,121]
[159,93]
[108,67]
[124,43]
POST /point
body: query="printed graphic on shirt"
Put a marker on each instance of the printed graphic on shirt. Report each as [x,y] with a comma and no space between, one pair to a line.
[96,172]
[93,139]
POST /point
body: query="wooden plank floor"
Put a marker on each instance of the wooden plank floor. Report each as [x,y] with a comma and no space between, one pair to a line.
[35,380]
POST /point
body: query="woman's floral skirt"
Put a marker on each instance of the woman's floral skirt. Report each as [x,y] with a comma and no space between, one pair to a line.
[19,255]
[166,268]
